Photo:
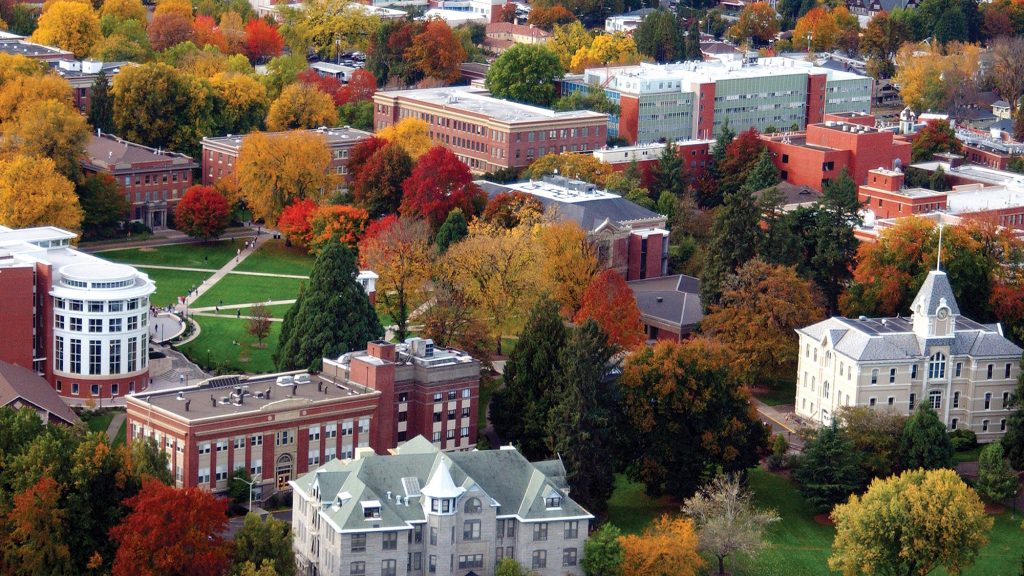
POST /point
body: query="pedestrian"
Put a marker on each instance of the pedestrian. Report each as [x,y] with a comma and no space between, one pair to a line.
[238,313]
[217,308]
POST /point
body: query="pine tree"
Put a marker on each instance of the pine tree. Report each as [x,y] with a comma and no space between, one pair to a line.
[735,236]
[764,173]
[101,104]
[1013,440]
[334,314]
[996,480]
[711,195]
[669,173]
[453,230]
[692,51]
[519,410]
[583,423]
[925,442]
[835,245]
[829,470]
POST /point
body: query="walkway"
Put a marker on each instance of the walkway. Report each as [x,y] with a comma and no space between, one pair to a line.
[782,420]
[223,271]
[165,237]
[115,426]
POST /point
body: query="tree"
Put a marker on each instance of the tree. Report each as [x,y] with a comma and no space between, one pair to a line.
[265,540]
[145,458]
[602,552]
[742,154]
[33,193]
[547,17]
[668,547]
[1008,69]
[579,166]
[386,55]
[243,102]
[262,40]
[101,105]
[378,182]
[925,443]
[566,40]
[36,542]
[692,49]
[592,98]
[436,52]
[202,212]
[103,204]
[1013,440]
[508,566]
[933,138]
[757,22]
[171,531]
[336,223]
[233,31]
[829,470]
[183,7]
[610,302]
[259,322]
[411,134]
[295,219]
[910,524]
[275,170]
[876,436]
[124,9]
[757,315]
[301,106]
[817,29]
[525,73]
[511,209]
[451,321]
[834,244]
[727,522]
[670,172]
[606,50]
[882,37]
[439,182]
[399,252]
[169,29]
[69,25]
[328,27]
[53,129]
[659,36]
[452,231]
[333,315]
[519,411]
[735,235]
[763,174]
[996,479]
[205,33]
[689,417]
[568,263]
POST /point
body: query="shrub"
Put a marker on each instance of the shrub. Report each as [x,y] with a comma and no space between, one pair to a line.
[963,439]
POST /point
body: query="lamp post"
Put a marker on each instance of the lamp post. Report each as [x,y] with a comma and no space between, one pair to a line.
[251,483]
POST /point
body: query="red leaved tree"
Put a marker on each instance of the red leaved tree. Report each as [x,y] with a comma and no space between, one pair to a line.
[202,213]
[361,87]
[362,152]
[609,301]
[172,532]
[510,209]
[326,84]
[378,227]
[438,183]
[436,52]
[169,29]
[38,531]
[343,224]
[378,185]
[262,40]
[206,33]
[294,221]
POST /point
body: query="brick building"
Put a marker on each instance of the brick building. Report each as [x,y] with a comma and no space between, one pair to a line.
[690,100]
[488,133]
[280,426]
[221,153]
[500,36]
[153,180]
[629,238]
[985,149]
[670,307]
[696,155]
[819,153]
[77,320]
[885,196]
[81,75]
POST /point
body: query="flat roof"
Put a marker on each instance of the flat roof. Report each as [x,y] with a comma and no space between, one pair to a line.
[475,100]
[334,135]
[25,48]
[961,200]
[569,192]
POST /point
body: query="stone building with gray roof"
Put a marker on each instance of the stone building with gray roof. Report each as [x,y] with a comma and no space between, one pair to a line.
[963,369]
[422,511]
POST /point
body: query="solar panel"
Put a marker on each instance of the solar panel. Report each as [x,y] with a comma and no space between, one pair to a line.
[223,382]
[411,485]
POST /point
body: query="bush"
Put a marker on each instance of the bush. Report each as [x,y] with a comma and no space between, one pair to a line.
[963,439]
[137,228]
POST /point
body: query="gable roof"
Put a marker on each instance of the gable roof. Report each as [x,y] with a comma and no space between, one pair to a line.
[18,383]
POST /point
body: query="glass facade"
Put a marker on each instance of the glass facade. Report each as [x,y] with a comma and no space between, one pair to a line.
[766,101]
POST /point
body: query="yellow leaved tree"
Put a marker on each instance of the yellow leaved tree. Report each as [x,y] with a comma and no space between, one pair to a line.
[33,193]
[615,49]
[274,170]
[666,548]
[412,134]
[301,105]
[71,26]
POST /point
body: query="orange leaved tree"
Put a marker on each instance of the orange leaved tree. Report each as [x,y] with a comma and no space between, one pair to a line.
[666,548]
[610,302]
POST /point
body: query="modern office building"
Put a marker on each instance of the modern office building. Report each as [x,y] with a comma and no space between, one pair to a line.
[153,180]
[419,511]
[280,426]
[692,100]
[221,153]
[629,238]
[963,369]
[488,133]
[75,319]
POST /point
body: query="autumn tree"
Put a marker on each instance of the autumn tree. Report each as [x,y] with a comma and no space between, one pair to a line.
[615,49]
[275,170]
[262,40]
[668,547]
[379,180]
[436,52]
[332,224]
[450,320]
[233,30]
[124,9]
[412,134]
[727,522]
[932,76]
[301,106]
[169,29]
[547,17]
[36,543]
[265,540]
[172,531]
[438,183]
[399,252]
[258,324]
[33,193]
[525,73]
[511,209]
[876,437]
[294,221]
[386,55]
[332,316]
[579,166]
[53,129]
[609,301]
[933,138]
[202,212]
[568,264]
[688,415]
[328,27]
[910,524]
[69,25]
[183,7]
[243,102]
[829,470]
[757,23]
[925,442]
[882,37]
[757,315]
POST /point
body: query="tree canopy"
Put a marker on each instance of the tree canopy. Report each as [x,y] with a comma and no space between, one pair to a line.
[525,73]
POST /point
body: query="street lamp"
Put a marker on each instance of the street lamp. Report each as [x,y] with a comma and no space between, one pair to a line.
[251,483]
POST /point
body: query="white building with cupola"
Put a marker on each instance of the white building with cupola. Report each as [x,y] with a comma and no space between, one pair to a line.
[965,370]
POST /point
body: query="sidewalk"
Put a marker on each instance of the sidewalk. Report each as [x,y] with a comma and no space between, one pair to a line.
[160,238]
[115,425]
[223,271]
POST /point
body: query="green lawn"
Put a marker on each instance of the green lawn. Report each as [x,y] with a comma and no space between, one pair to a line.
[276,258]
[970,455]
[172,283]
[276,310]
[215,347]
[777,393]
[242,289]
[122,434]
[631,510]
[210,255]
[97,422]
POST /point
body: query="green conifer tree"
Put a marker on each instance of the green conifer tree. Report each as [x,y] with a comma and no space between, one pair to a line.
[829,470]
[452,230]
[925,442]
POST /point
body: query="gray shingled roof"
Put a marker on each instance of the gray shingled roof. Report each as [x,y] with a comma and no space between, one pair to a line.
[19,383]
[505,477]
[671,299]
[933,293]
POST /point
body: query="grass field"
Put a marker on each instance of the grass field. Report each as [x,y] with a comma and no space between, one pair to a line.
[172,283]
[777,393]
[242,289]
[97,422]
[275,258]
[632,510]
[218,336]
[210,255]
[122,434]
[276,310]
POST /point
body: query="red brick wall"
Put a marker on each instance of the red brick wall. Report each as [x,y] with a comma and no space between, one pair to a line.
[815,98]
[802,166]
[706,111]
[654,248]
[986,157]
[629,118]
[16,309]
[868,151]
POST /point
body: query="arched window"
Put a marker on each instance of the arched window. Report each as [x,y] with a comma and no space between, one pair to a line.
[937,366]
[472,506]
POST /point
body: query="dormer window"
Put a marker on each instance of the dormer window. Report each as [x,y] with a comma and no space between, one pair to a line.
[371,509]
[553,500]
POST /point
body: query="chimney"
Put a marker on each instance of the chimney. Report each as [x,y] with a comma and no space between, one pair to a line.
[268,394]
[382,349]
[187,404]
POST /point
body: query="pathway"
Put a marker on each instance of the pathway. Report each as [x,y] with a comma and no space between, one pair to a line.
[223,271]
[160,238]
[783,421]
[115,426]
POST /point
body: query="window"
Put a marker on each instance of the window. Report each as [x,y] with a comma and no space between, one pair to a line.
[371,512]
[133,323]
[432,564]
[450,434]
[256,467]
[95,325]
[282,438]
[988,400]
[357,568]
[471,561]
[913,372]
[314,457]
[569,557]
[572,529]
[433,535]
[222,473]
[76,324]
[238,442]
[959,368]
[256,440]
[874,375]
[76,356]
[95,356]
[314,434]
[114,325]
[464,432]
[346,428]
[891,400]
[953,423]
[540,559]
[390,541]
[435,437]
[1006,399]
[935,399]
[871,401]
[452,394]
[937,366]
[204,448]
[58,322]
[451,414]
[466,392]
[359,543]
[956,399]
[984,425]
[471,530]
[892,375]
[472,506]
[204,476]
[465,412]
[133,353]
[540,531]
[1002,425]
[437,397]
[990,371]
[1006,372]
[825,389]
